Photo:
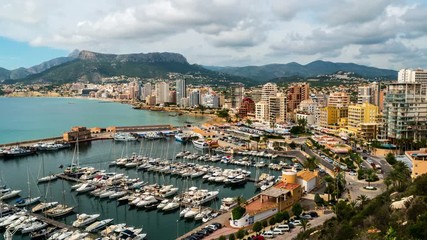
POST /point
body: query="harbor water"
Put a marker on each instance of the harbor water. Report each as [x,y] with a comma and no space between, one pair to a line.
[17,173]
[34,118]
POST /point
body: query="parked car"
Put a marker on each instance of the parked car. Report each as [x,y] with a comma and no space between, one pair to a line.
[297,222]
[313,214]
[268,234]
[306,216]
[278,231]
[352,173]
[284,227]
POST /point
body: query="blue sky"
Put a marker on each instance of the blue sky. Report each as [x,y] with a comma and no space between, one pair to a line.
[380,33]
[14,54]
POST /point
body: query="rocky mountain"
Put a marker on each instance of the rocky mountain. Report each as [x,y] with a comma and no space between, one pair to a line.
[90,66]
[272,71]
[4,74]
[24,72]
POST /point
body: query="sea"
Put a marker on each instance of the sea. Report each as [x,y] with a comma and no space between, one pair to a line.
[34,118]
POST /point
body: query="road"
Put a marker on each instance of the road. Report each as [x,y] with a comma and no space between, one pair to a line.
[355,186]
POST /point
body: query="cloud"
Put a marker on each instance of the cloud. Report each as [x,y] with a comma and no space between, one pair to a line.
[221,31]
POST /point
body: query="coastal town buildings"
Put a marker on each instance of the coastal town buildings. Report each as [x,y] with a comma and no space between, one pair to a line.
[405,107]
[282,196]
[247,107]
[237,93]
[268,90]
[162,92]
[369,94]
[418,159]
[277,106]
[194,98]
[338,99]
[181,90]
[261,111]
[296,93]
[362,120]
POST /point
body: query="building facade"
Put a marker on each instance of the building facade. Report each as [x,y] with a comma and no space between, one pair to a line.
[296,94]
[237,91]
[181,90]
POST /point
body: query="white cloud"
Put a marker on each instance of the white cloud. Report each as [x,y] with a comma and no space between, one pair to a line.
[233,32]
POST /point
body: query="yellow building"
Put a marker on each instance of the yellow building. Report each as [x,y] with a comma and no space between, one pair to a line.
[419,161]
[362,119]
[332,117]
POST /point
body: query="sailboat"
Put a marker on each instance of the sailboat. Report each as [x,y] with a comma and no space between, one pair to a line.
[74,170]
[22,202]
[47,178]
[60,209]
[44,205]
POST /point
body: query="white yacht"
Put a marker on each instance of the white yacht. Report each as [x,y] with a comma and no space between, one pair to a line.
[59,210]
[171,206]
[228,203]
[47,178]
[85,219]
[34,226]
[22,202]
[201,144]
[96,226]
[10,194]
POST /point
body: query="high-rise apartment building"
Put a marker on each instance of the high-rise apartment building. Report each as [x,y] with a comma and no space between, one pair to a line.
[210,100]
[412,76]
[362,120]
[268,90]
[147,90]
[247,107]
[277,107]
[296,94]
[261,111]
[369,94]
[338,99]
[405,109]
[162,92]
[181,90]
[237,91]
[195,98]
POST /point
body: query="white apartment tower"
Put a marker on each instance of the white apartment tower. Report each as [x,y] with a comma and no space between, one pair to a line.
[162,92]
[405,107]
[268,90]
[181,90]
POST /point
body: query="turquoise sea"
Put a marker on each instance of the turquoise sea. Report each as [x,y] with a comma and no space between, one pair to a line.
[33,118]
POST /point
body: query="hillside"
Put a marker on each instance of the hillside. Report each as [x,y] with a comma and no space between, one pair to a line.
[89,66]
[398,213]
[272,71]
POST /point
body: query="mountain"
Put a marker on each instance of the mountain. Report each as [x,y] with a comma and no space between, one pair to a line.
[24,72]
[4,74]
[271,71]
[90,66]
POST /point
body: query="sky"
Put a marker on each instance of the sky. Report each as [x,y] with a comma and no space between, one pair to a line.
[381,33]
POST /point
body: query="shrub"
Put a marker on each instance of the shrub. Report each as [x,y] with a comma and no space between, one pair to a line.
[240,234]
[257,227]
[231,237]
[238,212]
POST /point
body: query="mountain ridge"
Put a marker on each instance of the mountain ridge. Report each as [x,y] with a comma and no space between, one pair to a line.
[312,69]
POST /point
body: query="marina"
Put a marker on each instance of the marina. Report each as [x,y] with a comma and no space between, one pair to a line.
[100,155]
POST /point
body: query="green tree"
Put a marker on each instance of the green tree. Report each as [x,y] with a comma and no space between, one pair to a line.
[222,237]
[305,224]
[302,122]
[318,200]
[370,176]
[238,212]
[297,209]
[264,223]
[362,200]
[272,221]
[310,163]
[240,234]
[293,145]
[223,113]
[391,159]
[231,237]
[257,227]
[248,121]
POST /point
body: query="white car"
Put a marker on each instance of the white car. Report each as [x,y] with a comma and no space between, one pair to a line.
[297,222]
[268,234]
[278,231]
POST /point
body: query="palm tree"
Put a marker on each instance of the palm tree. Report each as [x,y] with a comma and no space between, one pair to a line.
[305,225]
[370,176]
[362,199]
